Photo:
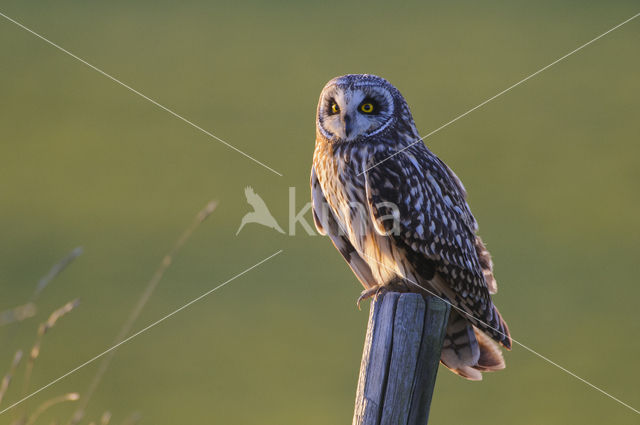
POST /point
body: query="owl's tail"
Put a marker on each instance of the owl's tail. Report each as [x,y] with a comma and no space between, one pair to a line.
[467,351]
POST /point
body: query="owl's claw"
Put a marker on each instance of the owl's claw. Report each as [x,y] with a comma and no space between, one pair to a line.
[366,294]
[369,293]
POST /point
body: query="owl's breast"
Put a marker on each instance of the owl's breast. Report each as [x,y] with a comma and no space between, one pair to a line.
[344,189]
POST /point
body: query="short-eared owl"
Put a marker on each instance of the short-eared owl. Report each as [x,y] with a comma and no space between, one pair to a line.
[401,220]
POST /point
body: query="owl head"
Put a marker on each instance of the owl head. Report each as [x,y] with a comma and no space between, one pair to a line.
[357,106]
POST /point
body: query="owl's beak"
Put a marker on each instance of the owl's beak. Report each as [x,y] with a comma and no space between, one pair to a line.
[348,125]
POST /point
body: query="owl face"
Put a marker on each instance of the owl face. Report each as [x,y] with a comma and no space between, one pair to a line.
[353,107]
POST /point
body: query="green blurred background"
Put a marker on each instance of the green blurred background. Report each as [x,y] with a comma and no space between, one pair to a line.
[551,169]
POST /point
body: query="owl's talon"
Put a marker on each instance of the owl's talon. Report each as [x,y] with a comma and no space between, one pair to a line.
[366,294]
[381,291]
[369,293]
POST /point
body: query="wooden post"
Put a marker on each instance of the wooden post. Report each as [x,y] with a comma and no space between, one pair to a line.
[400,359]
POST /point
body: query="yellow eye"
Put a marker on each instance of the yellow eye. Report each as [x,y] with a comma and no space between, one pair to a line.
[334,108]
[367,108]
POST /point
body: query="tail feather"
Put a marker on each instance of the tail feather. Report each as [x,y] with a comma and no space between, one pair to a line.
[490,355]
[485,317]
[467,351]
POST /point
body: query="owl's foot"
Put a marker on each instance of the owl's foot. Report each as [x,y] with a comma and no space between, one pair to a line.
[369,293]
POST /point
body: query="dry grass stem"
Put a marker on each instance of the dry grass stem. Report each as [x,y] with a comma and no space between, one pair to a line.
[105,418]
[133,419]
[142,301]
[48,404]
[55,271]
[42,330]
[17,314]
[50,323]
[7,378]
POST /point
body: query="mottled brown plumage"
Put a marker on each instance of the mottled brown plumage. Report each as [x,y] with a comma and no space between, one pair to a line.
[399,215]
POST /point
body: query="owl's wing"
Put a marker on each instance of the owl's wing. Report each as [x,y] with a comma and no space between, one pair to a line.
[326,224]
[433,219]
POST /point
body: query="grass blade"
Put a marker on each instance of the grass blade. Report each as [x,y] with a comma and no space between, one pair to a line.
[142,301]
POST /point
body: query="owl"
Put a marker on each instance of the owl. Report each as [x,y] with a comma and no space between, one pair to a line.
[399,216]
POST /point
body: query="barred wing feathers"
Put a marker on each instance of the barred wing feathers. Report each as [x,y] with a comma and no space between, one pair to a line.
[436,222]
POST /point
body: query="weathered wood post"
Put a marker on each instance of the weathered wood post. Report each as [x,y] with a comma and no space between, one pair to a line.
[400,359]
